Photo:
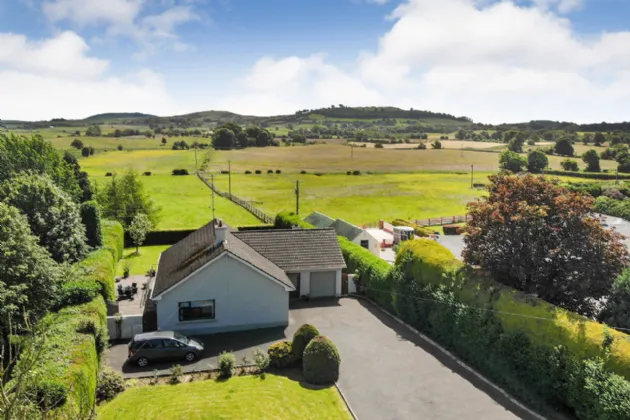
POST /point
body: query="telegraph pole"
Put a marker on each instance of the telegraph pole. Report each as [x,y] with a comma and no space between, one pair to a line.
[212,181]
[195,159]
[297,197]
[230,178]
[472,171]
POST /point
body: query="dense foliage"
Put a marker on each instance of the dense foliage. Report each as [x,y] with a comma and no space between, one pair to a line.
[289,220]
[29,278]
[531,234]
[231,135]
[512,161]
[91,218]
[537,161]
[280,354]
[563,147]
[570,165]
[321,361]
[301,338]
[110,384]
[52,214]
[616,310]
[20,154]
[122,198]
[140,226]
[591,159]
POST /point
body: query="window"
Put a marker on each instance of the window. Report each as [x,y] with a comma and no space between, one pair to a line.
[198,309]
[172,344]
[365,244]
[153,344]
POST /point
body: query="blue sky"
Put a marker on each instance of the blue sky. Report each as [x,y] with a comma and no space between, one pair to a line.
[491,60]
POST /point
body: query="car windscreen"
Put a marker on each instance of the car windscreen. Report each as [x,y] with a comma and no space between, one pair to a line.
[181,337]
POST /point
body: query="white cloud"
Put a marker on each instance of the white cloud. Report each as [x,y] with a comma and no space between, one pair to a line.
[563,6]
[124,18]
[56,78]
[492,61]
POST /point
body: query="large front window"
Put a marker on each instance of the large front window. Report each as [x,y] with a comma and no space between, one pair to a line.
[198,309]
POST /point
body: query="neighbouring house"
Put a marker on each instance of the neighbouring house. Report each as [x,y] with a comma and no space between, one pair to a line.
[218,279]
[319,220]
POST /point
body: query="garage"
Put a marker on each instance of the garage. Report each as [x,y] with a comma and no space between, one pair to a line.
[323,283]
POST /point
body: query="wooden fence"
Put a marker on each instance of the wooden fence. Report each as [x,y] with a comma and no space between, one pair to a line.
[440,221]
[245,204]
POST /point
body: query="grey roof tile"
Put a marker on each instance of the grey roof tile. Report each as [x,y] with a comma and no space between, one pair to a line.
[296,249]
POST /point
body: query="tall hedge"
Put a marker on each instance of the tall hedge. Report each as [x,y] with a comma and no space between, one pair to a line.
[113,237]
[372,272]
[74,340]
[540,352]
[91,218]
[288,220]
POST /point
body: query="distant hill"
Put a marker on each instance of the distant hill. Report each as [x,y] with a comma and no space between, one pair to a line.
[118,115]
[379,112]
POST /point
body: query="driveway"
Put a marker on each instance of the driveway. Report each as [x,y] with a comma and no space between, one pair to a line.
[387,372]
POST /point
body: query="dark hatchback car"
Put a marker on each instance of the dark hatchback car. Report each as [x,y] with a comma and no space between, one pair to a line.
[163,345]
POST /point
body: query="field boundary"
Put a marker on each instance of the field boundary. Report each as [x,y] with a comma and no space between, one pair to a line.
[441,221]
[260,215]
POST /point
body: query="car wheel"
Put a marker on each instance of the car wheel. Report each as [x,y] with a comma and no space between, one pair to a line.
[143,361]
[190,357]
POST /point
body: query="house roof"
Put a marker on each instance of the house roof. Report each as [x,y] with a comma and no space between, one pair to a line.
[319,220]
[296,249]
[198,249]
[345,229]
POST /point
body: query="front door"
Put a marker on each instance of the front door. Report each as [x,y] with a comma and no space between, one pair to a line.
[295,279]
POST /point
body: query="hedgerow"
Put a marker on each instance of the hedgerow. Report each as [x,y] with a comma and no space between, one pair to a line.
[287,220]
[113,237]
[100,266]
[545,355]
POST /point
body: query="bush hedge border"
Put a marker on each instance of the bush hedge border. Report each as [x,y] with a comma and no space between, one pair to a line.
[288,220]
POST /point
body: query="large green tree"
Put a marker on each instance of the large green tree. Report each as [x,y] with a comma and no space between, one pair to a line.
[123,197]
[52,214]
[536,236]
[512,161]
[563,147]
[591,158]
[34,154]
[599,139]
[537,161]
[29,278]
[223,138]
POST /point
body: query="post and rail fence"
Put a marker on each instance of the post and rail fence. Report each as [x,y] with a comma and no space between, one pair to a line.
[441,221]
[260,215]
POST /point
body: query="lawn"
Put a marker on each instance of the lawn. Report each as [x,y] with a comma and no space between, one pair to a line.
[155,161]
[140,263]
[244,397]
[186,203]
[360,199]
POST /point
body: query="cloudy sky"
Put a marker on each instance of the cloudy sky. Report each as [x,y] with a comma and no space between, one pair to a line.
[492,60]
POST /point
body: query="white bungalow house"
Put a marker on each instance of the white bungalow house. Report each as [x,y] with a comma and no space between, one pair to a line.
[217,279]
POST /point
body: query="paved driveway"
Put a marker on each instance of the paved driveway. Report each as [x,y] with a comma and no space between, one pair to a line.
[388,373]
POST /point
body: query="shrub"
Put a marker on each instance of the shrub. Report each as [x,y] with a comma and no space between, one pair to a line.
[301,338]
[378,146]
[109,384]
[451,229]
[78,292]
[120,147]
[258,172]
[108,174]
[280,354]
[176,372]
[91,218]
[126,269]
[570,165]
[287,220]
[278,171]
[349,173]
[180,172]
[422,146]
[321,361]
[617,307]
[113,238]
[248,172]
[356,172]
[227,364]
[147,173]
[303,172]
[261,359]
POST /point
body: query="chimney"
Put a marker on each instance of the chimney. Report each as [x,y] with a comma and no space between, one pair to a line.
[220,231]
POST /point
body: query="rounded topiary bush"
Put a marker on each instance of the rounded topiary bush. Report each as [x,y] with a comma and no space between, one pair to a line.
[110,384]
[301,338]
[321,361]
[280,354]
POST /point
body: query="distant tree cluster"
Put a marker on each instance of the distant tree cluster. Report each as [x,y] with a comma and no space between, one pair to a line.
[233,136]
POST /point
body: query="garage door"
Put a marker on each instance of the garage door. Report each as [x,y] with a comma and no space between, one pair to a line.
[323,283]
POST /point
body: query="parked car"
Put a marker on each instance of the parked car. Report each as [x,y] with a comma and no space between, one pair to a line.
[163,345]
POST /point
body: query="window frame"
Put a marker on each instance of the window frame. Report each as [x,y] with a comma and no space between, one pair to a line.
[181,306]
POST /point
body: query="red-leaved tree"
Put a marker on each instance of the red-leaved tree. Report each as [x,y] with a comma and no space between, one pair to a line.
[536,236]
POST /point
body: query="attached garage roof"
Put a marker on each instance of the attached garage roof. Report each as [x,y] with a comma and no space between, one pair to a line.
[319,220]
[345,229]
[296,249]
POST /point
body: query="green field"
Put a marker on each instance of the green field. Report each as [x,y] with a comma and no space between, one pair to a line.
[360,199]
[155,161]
[186,203]
[244,397]
[140,263]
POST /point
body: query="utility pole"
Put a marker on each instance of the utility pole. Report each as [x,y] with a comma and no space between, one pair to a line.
[195,159]
[297,197]
[212,181]
[230,178]
[472,171]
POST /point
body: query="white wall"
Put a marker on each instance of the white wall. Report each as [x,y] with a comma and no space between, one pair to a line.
[129,326]
[244,299]
[305,282]
[374,248]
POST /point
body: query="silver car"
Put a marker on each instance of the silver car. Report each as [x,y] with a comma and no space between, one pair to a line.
[163,345]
